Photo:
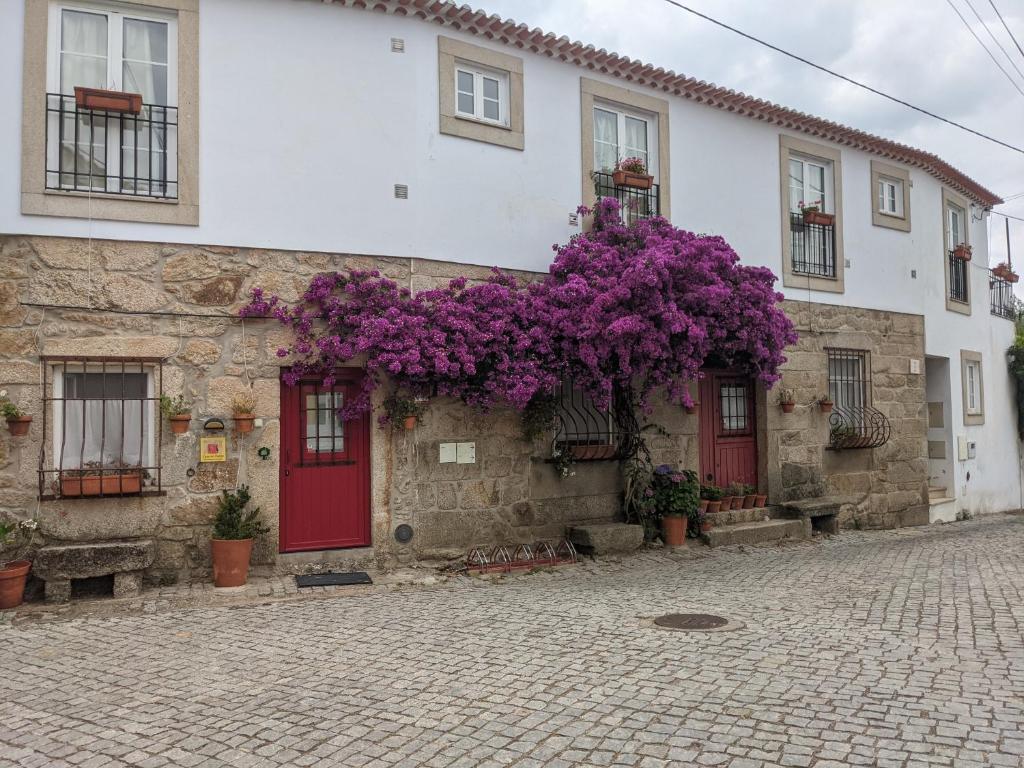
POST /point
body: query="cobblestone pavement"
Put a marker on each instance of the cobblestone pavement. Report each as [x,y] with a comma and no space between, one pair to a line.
[900,648]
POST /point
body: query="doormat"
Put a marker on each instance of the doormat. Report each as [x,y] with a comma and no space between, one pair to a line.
[333,579]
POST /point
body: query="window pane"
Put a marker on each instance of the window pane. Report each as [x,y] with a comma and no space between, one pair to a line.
[636,137]
[86,71]
[816,185]
[580,421]
[82,32]
[466,103]
[465,82]
[796,184]
[148,79]
[606,139]
[325,432]
[491,111]
[733,404]
[490,88]
[103,418]
[145,41]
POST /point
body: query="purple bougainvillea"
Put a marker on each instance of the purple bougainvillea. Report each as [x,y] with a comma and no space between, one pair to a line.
[642,307]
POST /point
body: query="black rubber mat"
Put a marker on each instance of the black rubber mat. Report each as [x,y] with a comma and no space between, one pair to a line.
[333,579]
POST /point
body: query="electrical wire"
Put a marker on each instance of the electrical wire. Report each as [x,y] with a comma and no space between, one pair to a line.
[994,38]
[850,80]
[992,3]
[985,47]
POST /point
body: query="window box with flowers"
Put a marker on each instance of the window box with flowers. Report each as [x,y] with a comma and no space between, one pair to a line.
[813,214]
[1005,272]
[632,172]
[962,251]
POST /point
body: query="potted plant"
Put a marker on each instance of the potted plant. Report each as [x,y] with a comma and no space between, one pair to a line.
[813,214]
[760,500]
[98,479]
[14,573]
[632,172]
[714,496]
[1005,272]
[749,497]
[404,410]
[234,529]
[826,404]
[108,101]
[17,422]
[962,251]
[787,399]
[736,491]
[673,496]
[243,405]
[177,411]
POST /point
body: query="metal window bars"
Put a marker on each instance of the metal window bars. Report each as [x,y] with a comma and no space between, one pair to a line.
[959,278]
[79,143]
[812,247]
[635,203]
[1001,299]
[854,422]
[734,404]
[322,437]
[583,430]
[105,415]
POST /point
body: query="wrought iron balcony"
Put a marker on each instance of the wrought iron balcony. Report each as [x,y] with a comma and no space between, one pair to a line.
[812,247]
[959,278]
[113,153]
[635,203]
[858,427]
[1001,299]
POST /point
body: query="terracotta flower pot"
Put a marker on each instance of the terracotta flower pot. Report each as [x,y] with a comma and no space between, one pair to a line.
[714,506]
[230,561]
[12,583]
[113,484]
[243,422]
[18,425]
[180,423]
[737,502]
[760,500]
[826,406]
[788,407]
[819,218]
[706,525]
[410,422]
[673,530]
[963,251]
[748,501]
[631,179]
[108,101]
[704,505]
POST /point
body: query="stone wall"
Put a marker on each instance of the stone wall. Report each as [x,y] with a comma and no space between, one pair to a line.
[510,494]
[885,486]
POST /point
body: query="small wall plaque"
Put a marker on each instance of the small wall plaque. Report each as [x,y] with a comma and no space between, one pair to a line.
[263,453]
[214,424]
[213,448]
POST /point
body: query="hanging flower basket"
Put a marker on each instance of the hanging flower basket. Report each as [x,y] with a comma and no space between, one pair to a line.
[18,425]
[243,422]
[962,251]
[180,423]
[108,101]
[788,407]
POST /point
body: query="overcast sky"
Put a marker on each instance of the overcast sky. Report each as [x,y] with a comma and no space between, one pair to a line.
[917,50]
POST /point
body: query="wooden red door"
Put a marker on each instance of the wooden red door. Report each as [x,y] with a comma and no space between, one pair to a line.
[325,467]
[728,438]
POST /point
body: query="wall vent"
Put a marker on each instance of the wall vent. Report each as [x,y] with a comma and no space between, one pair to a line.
[397,45]
[402,191]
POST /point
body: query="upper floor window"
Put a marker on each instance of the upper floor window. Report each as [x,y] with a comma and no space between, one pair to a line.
[812,216]
[619,134]
[958,257]
[108,142]
[481,94]
[972,380]
[890,196]
[810,184]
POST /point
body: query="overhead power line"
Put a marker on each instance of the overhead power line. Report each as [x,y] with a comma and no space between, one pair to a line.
[995,39]
[850,80]
[992,3]
[985,47]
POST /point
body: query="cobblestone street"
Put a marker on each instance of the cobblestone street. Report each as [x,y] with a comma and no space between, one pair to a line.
[900,648]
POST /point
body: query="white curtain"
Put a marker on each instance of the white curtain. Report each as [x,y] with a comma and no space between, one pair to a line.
[103,421]
[606,140]
[83,58]
[145,59]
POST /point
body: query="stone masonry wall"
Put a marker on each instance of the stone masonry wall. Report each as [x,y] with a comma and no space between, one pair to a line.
[510,494]
[885,486]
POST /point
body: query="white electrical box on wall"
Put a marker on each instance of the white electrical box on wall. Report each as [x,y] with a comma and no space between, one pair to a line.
[465,453]
[915,365]
[961,448]
[447,453]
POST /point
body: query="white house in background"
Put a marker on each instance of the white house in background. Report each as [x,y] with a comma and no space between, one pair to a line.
[427,138]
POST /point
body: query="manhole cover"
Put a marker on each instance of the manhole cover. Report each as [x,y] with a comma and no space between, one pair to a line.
[691,621]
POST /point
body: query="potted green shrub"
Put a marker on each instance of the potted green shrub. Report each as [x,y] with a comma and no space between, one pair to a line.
[177,411]
[403,410]
[735,491]
[14,573]
[234,529]
[243,407]
[17,422]
[674,496]
[713,494]
[749,497]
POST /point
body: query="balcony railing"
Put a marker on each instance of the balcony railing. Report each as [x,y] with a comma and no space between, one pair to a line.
[1001,299]
[813,247]
[112,153]
[959,282]
[635,203]
[858,427]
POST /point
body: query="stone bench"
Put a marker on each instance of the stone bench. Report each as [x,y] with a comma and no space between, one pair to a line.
[126,560]
[606,538]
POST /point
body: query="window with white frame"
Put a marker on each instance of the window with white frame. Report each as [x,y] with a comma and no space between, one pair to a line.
[621,133]
[810,183]
[890,196]
[955,231]
[118,48]
[481,94]
[972,385]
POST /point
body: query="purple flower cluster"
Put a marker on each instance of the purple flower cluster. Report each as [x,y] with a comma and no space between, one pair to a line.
[641,306]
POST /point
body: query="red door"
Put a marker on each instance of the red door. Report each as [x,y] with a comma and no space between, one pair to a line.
[728,440]
[325,467]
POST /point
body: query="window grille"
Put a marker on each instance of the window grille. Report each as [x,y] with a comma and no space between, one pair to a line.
[734,407]
[1001,301]
[813,247]
[635,203]
[854,423]
[322,436]
[101,427]
[586,431]
[958,279]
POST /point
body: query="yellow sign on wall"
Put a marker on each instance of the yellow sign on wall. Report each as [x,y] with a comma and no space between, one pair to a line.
[213,448]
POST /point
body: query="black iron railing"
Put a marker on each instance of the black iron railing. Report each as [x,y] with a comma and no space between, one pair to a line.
[858,427]
[812,247]
[581,429]
[114,153]
[1001,300]
[635,203]
[959,278]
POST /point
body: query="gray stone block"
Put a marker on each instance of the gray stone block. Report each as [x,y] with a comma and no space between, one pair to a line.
[83,561]
[757,533]
[607,538]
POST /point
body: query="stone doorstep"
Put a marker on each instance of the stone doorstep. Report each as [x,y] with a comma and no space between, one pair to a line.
[757,533]
[607,538]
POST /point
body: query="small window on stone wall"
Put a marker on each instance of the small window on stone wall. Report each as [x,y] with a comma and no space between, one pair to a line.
[854,422]
[101,427]
[581,428]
